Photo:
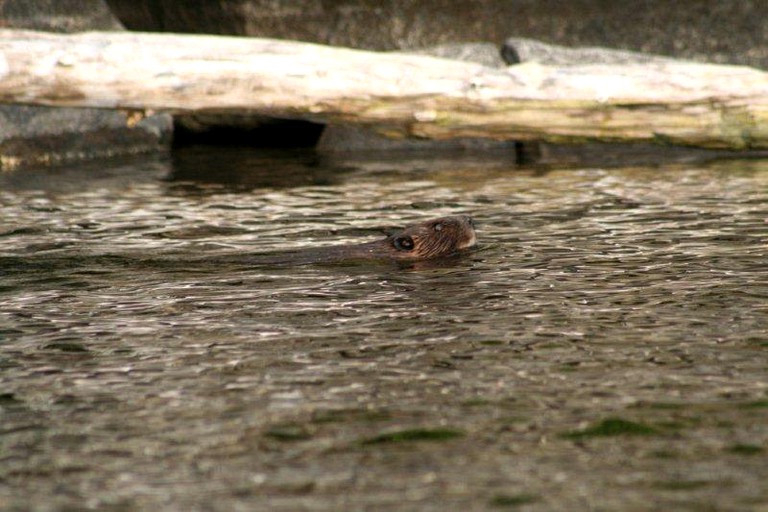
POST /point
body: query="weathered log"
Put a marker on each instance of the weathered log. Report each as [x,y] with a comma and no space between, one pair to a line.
[401,95]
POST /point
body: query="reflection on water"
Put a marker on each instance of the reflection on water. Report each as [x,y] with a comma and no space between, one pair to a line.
[132,384]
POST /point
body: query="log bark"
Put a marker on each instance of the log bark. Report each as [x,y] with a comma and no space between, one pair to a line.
[397,94]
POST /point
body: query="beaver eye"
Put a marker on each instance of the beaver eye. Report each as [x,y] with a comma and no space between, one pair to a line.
[403,243]
[438,227]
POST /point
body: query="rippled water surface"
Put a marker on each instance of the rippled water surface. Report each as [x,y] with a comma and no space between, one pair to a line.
[135,375]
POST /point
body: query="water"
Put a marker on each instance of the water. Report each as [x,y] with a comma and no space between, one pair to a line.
[637,293]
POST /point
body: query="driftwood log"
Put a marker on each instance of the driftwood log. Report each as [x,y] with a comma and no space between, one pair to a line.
[400,95]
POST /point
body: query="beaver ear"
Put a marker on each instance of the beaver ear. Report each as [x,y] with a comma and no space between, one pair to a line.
[403,243]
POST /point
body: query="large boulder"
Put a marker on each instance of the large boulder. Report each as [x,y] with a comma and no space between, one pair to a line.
[31,135]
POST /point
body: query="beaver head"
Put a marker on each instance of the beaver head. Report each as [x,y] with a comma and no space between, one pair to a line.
[433,238]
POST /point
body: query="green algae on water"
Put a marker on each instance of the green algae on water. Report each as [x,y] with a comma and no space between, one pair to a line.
[613,427]
[745,449]
[757,404]
[288,433]
[513,500]
[416,434]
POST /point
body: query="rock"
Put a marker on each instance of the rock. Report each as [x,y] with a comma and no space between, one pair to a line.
[517,49]
[604,154]
[340,138]
[31,136]
[58,15]
[486,54]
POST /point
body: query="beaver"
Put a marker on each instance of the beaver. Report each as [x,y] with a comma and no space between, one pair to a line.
[436,238]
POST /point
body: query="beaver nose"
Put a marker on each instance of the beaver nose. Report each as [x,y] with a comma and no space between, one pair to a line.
[468,220]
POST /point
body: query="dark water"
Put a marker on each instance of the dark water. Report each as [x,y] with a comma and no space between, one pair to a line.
[632,293]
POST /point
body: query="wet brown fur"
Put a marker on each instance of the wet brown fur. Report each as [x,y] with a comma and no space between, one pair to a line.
[431,239]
